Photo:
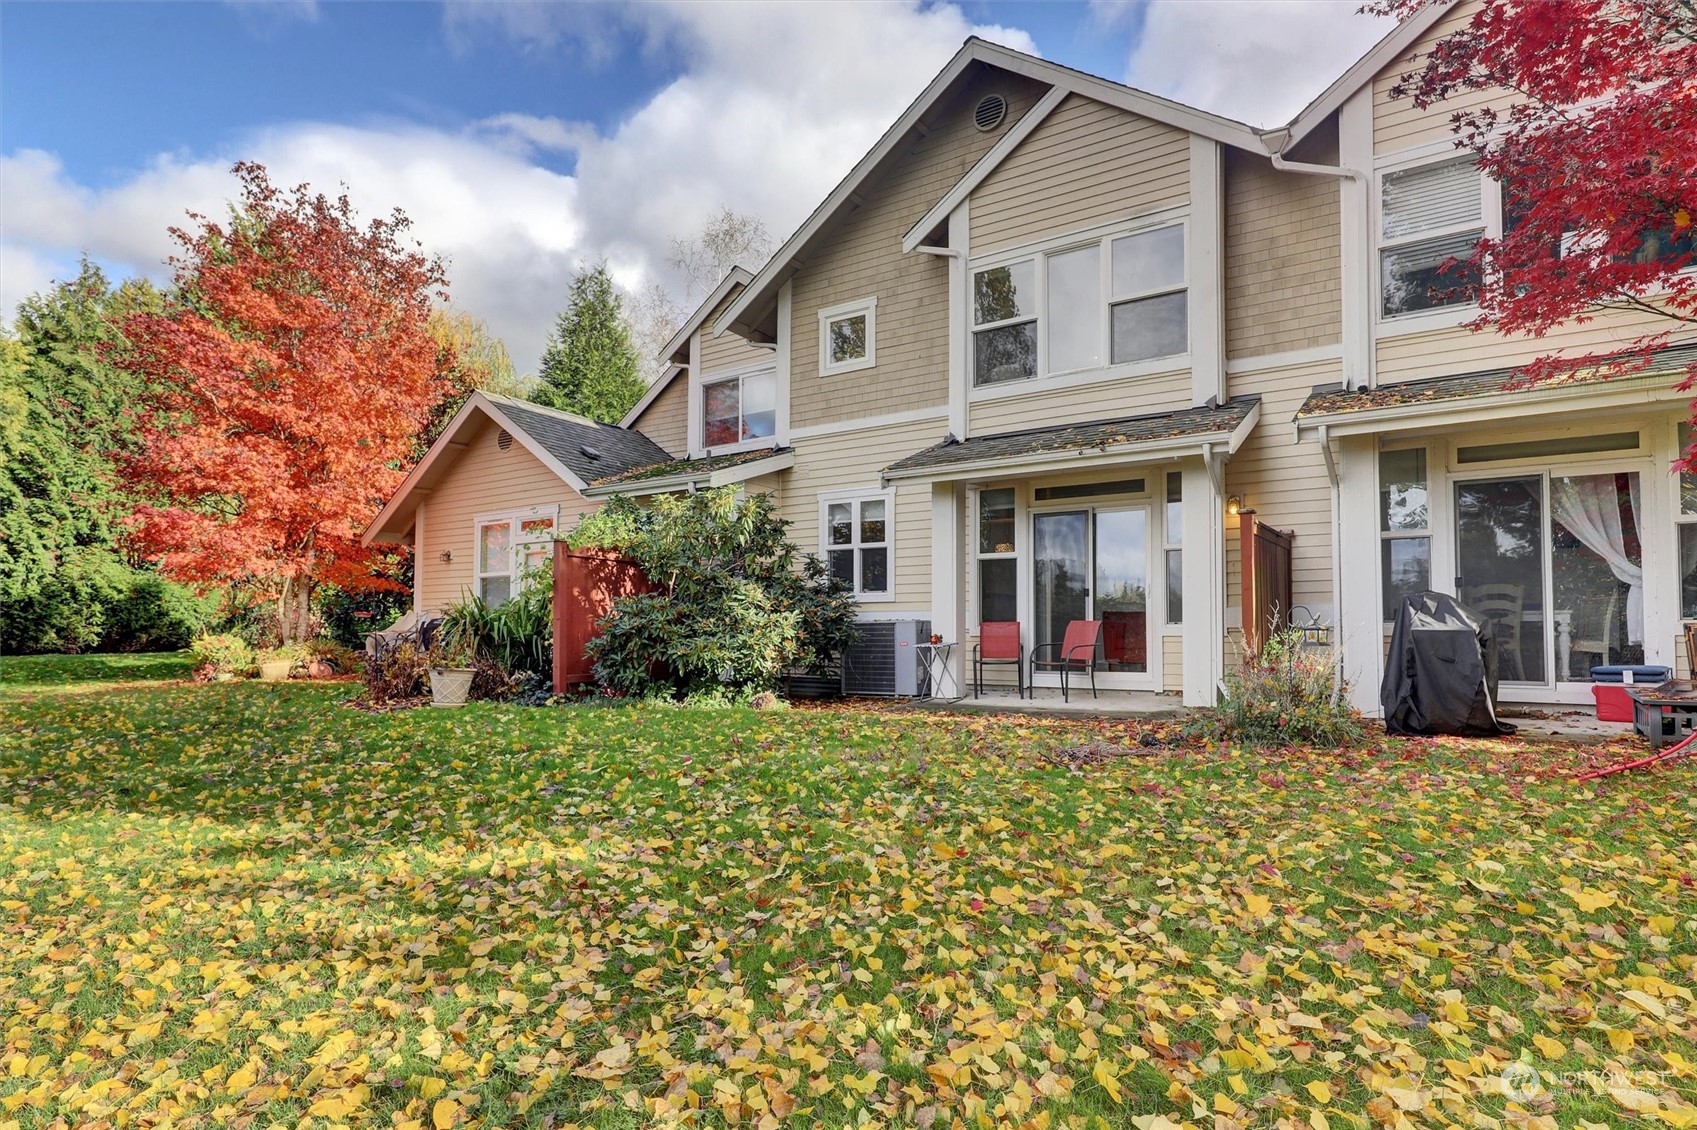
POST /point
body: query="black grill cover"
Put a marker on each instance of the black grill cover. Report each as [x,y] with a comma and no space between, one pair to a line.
[1441,673]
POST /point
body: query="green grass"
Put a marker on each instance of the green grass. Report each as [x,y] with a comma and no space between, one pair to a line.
[25,674]
[238,904]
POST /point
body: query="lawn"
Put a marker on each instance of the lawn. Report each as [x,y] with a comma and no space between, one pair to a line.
[24,674]
[249,905]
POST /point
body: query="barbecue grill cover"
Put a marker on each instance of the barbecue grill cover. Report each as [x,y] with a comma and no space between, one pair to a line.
[1441,673]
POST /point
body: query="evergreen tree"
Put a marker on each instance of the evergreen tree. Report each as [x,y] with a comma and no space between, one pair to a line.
[590,366]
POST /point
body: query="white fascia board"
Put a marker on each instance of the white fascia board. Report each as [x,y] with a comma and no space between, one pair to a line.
[1366,68]
[736,276]
[409,485]
[1601,395]
[753,469]
[986,165]
[653,393]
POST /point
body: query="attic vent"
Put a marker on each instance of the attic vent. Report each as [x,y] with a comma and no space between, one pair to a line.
[504,440]
[991,109]
[589,452]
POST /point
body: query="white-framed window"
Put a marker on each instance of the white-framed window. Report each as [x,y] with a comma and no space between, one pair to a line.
[1405,533]
[738,408]
[857,534]
[996,546]
[1118,298]
[848,337]
[1686,520]
[510,549]
[1172,551]
[1429,214]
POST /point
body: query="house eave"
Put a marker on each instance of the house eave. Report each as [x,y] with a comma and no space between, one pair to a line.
[1647,390]
[696,480]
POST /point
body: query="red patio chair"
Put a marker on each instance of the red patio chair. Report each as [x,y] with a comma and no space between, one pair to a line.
[998,645]
[1075,652]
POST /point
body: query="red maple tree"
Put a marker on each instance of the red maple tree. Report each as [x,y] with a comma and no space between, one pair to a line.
[288,377]
[1595,146]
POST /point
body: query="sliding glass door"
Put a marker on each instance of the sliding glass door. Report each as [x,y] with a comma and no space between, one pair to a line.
[1094,565]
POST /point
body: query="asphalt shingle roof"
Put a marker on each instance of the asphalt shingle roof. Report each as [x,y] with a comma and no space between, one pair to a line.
[688,467]
[565,436]
[1331,400]
[1081,437]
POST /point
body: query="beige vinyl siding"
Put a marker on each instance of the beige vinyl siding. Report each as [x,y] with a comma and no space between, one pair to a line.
[1284,482]
[862,258]
[1172,664]
[1086,164]
[1397,123]
[1101,400]
[483,479]
[1283,286]
[727,351]
[666,419]
[854,460]
[1456,349]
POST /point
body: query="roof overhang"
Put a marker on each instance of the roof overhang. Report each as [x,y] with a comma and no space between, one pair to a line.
[696,480]
[761,293]
[734,278]
[1638,391]
[394,522]
[653,394]
[1223,442]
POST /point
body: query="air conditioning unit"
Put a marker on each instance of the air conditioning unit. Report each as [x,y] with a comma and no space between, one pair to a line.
[882,661]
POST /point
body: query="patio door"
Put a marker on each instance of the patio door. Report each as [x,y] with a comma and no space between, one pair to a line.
[1555,561]
[1094,565]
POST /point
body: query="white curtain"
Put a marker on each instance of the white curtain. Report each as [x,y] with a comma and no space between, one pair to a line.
[1589,506]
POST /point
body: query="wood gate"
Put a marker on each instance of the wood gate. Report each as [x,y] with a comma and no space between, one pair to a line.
[586,583]
[1265,567]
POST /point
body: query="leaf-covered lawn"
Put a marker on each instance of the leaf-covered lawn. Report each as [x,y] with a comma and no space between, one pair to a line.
[24,674]
[249,905]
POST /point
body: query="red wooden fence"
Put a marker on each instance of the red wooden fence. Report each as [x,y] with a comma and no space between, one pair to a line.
[586,583]
[1265,568]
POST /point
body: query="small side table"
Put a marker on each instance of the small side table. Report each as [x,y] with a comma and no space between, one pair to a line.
[937,672]
[1665,713]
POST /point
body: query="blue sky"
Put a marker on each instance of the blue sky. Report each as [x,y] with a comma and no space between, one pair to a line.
[526,139]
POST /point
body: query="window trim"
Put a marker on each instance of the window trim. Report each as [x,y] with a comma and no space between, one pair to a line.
[975,614]
[1171,545]
[1038,253]
[856,498]
[1681,518]
[517,517]
[840,312]
[1424,533]
[738,375]
[1489,226]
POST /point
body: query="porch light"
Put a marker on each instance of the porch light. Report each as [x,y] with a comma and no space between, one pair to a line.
[1234,504]
[445,556]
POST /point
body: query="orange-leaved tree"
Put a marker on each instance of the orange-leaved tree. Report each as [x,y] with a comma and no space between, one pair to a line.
[287,378]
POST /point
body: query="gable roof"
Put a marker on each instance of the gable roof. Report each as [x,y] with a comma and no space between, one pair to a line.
[760,293]
[1381,55]
[734,278]
[576,449]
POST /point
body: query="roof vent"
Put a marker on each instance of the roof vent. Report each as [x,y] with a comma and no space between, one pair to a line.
[505,440]
[589,452]
[991,109]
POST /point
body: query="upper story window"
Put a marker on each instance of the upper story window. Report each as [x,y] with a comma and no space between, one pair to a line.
[1116,300]
[1429,215]
[848,337]
[739,408]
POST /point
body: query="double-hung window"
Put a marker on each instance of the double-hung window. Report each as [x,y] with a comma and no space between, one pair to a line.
[1404,527]
[859,539]
[1687,520]
[998,559]
[1118,299]
[511,550]
[1428,216]
[848,337]
[739,409]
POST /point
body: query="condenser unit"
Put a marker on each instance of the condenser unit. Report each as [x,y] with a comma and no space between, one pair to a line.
[882,661]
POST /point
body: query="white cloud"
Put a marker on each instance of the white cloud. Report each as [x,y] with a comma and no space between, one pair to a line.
[772,106]
[1259,61]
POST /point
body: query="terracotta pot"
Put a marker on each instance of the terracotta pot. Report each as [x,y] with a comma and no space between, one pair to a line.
[320,669]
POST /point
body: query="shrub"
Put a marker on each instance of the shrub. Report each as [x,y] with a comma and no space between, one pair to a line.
[1287,695]
[399,672]
[735,603]
[517,635]
[295,653]
[94,601]
[224,654]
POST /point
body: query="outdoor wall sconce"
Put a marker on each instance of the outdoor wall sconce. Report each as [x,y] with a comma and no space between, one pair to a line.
[1234,504]
[445,556]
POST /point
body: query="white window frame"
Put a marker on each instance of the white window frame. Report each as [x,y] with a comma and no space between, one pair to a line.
[1408,534]
[1172,541]
[1681,517]
[739,375]
[1037,254]
[856,498]
[976,612]
[1490,225]
[860,307]
[516,544]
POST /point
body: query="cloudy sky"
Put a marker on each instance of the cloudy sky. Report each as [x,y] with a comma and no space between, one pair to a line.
[526,139]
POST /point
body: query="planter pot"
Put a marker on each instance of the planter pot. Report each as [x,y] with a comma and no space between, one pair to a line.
[275,670]
[320,669]
[450,686]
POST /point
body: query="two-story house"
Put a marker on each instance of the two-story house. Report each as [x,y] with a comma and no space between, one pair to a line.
[1028,358]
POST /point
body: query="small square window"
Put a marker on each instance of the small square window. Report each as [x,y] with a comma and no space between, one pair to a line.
[847,337]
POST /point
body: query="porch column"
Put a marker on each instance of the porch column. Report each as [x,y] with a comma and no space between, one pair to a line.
[1204,567]
[1360,620]
[948,617]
